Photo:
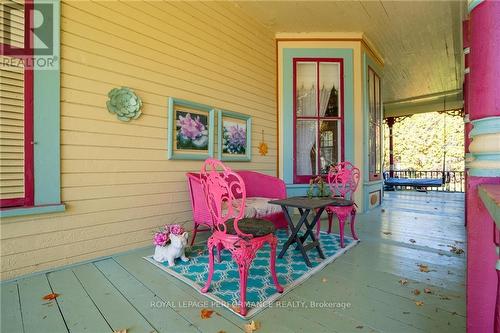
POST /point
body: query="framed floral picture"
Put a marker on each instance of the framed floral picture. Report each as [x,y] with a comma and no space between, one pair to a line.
[234,136]
[190,130]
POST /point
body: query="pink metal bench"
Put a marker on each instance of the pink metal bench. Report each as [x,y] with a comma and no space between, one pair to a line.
[258,186]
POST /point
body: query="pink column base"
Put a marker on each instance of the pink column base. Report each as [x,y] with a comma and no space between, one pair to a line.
[481,259]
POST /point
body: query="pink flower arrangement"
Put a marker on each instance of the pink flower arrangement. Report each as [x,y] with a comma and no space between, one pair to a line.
[162,237]
[190,128]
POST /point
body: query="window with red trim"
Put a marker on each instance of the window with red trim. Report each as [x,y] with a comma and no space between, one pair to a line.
[374,126]
[318,116]
[16,105]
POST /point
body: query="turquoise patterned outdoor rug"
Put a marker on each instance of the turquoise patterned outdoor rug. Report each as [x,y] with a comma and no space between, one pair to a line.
[261,293]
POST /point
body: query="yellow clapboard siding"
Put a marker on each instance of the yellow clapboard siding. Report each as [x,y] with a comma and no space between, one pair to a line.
[86,213]
[111,22]
[116,181]
[61,238]
[107,140]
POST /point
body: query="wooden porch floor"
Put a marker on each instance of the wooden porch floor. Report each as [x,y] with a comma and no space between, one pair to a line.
[118,292]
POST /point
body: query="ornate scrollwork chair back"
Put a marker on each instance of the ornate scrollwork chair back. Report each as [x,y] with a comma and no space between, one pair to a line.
[343,179]
[225,194]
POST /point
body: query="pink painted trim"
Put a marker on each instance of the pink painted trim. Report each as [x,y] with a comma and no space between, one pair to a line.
[481,260]
[304,179]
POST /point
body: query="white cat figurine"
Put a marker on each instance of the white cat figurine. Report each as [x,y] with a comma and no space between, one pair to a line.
[176,249]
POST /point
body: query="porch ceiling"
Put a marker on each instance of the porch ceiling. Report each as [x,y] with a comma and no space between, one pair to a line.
[421,42]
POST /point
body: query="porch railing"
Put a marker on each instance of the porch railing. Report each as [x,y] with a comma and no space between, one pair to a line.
[454,181]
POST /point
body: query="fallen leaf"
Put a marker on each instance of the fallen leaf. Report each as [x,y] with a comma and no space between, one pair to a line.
[252,326]
[419,303]
[387,233]
[235,308]
[456,249]
[324,280]
[359,326]
[406,312]
[50,297]
[120,331]
[428,291]
[416,292]
[412,241]
[423,268]
[222,332]
[403,282]
[206,313]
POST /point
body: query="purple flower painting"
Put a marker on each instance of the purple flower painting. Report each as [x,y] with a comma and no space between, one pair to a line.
[234,138]
[192,131]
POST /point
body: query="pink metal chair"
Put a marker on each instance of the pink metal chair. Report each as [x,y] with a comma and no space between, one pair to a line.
[256,184]
[343,180]
[243,237]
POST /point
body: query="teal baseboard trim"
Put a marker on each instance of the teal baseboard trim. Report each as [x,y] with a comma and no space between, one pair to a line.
[45,271]
[490,125]
[473,4]
[484,172]
[20,211]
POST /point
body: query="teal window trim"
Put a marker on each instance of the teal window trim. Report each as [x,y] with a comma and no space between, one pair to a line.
[47,129]
[370,186]
[287,108]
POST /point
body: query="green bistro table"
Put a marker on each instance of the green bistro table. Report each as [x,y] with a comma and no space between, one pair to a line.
[305,205]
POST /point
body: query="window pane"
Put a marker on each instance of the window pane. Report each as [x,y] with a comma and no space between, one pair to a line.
[306,89]
[329,83]
[12,23]
[306,147]
[329,144]
[11,128]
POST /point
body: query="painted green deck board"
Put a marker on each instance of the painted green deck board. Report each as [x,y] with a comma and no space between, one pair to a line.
[163,318]
[171,289]
[117,311]
[366,276]
[38,314]
[78,310]
[10,309]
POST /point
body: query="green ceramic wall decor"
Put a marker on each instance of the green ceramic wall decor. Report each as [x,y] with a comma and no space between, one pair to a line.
[124,103]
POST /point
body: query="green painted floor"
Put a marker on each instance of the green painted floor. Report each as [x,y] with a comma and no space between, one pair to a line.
[126,292]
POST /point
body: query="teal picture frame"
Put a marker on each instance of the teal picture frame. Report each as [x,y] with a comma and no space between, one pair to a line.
[176,105]
[236,118]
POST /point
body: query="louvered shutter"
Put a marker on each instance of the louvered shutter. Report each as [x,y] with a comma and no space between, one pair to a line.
[12,106]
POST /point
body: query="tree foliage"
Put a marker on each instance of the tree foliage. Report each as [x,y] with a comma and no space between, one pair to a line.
[420,141]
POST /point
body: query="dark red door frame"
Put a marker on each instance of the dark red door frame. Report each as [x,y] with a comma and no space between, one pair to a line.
[304,179]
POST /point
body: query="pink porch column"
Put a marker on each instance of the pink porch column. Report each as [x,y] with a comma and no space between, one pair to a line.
[483,106]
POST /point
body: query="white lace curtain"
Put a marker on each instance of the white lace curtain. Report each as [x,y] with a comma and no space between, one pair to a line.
[306,129]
